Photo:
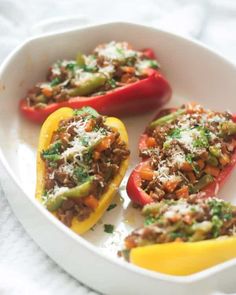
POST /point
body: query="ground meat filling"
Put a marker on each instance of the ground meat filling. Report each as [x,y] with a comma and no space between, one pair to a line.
[184,220]
[110,66]
[83,150]
[187,151]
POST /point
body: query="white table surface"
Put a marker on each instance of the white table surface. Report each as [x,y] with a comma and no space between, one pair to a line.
[24,267]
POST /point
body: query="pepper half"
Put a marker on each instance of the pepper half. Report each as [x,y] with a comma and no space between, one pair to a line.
[180,258]
[134,189]
[183,237]
[138,97]
[47,130]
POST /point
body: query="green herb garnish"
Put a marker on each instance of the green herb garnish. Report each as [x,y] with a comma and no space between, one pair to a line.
[53,152]
[86,111]
[85,141]
[112,206]
[217,224]
[71,66]
[112,83]
[176,133]
[108,228]
[153,64]
[80,174]
[202,140]
[55,81]
[88,68]
[149,220]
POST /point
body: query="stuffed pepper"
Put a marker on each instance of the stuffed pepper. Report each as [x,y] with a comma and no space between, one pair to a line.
[114,79]
[82,158]
[184,151]
[181,237]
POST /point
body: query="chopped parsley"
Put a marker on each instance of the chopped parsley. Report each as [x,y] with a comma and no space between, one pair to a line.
[53,152]
[85,141]
[176,133]
[112,206]
[227,216]
[55,81]
[71,66]
[80,174]
[120,51]
[153,64]
[189,158]
[175,235]
[217,224]
[202,140]
[108,228]
[112,83]
[89,68]
[149,220]
[86,110]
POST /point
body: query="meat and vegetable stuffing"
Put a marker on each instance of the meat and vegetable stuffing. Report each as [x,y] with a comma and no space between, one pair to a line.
[114,79]
[82,159]
[184,151]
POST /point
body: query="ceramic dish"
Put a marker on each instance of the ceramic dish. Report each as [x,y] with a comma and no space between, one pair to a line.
[195,73]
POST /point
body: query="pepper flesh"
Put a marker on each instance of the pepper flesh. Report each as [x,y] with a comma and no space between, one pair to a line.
[138,97]
[179,258]
[49,126]
[139,196]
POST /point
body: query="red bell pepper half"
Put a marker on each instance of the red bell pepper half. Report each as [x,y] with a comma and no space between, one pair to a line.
[139,196]
[138,97]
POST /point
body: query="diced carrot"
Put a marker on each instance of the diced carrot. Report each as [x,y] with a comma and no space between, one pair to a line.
[224,159]
[151,142]
[89,125]
[190,106]
[129,70]
[105,143]
[47,91]
[183,192]
[187,219]
[201,164]
[96,155]
[171,185]
[91,202]
[214,171]
[191,176]
[175,218]
[146,173]
[125,78]
[186,167]
[130,243]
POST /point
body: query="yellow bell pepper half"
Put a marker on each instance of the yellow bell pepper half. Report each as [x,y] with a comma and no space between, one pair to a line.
[49,126]
[180,258]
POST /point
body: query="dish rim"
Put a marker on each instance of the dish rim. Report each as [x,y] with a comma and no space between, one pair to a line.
[61,227]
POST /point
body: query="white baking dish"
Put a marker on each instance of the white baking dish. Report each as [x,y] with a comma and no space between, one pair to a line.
[195,73]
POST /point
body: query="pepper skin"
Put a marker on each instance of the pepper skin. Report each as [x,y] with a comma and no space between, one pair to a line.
[49,126]
[180,258]
[134,190]
[138,97]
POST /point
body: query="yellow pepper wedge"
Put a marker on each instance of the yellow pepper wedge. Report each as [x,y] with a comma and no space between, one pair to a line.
[184,258]
[49,126]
